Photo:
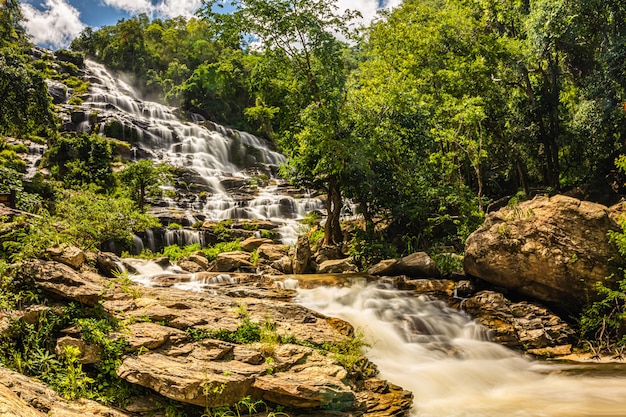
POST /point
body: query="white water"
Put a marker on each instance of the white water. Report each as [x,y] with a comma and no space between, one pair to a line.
[213,154]
[445,359]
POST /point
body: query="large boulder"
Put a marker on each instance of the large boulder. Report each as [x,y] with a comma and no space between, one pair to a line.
[553,249]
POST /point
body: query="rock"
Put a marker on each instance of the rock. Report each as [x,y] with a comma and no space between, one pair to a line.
[518,325]
[253,243]
[199,259]
[551,249]
[150,335]
[383,268]
[552,351]
[109,264]
[337,266]
[303,255]
[284,265]
[68,255]
[88,353]
[417,264]
[272,252]
[36,396]
[310,387]
[435,287]
[12,406]
[326,253]
[190,266]
[233,261]
[384,399]
[62,281]
[203,382]
[58,91]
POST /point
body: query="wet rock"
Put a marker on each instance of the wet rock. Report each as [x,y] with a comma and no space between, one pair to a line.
[68,255]
[553,249]
[552,351]
[337,266]
[518,325]
[58,91]
[302,255]
[109,264]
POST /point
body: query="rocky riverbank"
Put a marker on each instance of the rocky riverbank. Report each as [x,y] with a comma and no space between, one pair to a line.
[243,337]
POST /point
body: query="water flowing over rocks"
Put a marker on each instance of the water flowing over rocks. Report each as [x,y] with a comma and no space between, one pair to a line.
[223,174]
[173,351]
[520,325]
[553,249]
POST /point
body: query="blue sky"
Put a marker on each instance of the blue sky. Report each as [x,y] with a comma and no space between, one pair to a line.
[54,23]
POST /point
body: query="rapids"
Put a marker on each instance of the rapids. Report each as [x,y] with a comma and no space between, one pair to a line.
[447,361]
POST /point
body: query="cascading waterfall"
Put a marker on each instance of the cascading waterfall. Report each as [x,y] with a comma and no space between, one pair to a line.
[211,152]
[445,359]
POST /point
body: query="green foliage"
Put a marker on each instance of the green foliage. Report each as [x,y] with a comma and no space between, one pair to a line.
[142,178]
[175,252]
[83,218]
[212,252]
[603,322]
[10,179]
[80,160]
[24,99]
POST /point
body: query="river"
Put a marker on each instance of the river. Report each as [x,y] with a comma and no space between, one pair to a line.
[446,360]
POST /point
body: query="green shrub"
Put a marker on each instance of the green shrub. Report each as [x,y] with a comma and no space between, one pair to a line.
[212,252]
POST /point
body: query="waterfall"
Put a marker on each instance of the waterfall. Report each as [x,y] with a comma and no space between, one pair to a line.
[222,162]
[447,361]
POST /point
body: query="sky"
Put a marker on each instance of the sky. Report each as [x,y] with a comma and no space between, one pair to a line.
[54,23]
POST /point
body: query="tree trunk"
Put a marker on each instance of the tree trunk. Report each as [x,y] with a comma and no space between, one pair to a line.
[334,204]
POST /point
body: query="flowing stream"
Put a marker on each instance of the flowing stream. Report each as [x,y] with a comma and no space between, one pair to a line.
[446,360]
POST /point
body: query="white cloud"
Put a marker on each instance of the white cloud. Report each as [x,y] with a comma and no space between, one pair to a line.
[54,26]
[164,8]
[367,8]
[173,8]
[131,6]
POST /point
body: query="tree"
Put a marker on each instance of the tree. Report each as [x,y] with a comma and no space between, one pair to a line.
[299,38]
[141,178]
[11,29]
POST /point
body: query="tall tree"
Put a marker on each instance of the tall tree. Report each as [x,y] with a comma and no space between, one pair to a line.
[299,37]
